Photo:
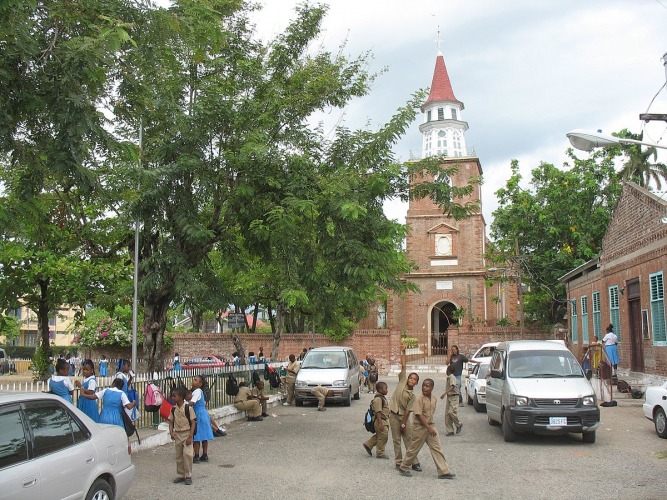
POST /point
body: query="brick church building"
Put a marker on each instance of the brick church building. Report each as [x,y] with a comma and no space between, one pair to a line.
[452,272]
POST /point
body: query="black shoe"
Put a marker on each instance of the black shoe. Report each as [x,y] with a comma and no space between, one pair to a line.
[195,459]
[368,450]
[179,480]
[458,429]
[417,468]
[204,458]
[447,476]
[405,473]
[265,414]
[188,481]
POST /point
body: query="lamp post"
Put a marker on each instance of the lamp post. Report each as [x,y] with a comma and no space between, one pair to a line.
[587,140]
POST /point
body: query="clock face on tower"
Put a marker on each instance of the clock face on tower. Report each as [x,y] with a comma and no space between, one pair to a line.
[443,244]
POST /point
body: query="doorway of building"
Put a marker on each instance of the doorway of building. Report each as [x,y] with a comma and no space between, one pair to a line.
[635,321]
[442,317]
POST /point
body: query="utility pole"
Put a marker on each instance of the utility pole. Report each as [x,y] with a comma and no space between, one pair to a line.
[519,285]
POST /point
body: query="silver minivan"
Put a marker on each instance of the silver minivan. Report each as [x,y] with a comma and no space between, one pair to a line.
[538,386]
[336,368]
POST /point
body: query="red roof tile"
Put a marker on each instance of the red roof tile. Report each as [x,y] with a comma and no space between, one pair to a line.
[441,87]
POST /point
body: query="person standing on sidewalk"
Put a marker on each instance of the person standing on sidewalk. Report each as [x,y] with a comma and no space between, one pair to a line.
[399,412]
[452,421]
[181,429]
[456,361]
[290,379]
[610,342]
[423,431]
[381,416]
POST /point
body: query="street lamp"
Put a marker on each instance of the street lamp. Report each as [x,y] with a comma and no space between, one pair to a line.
[587,140]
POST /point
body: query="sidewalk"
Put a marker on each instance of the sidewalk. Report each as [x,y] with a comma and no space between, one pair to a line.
[152,438]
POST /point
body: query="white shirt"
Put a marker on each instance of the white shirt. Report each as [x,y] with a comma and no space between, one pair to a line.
[610,339]
[63,378]
[196,396]
[123,396]
[92,385]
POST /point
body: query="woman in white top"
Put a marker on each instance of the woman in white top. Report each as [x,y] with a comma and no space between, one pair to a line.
[610,341]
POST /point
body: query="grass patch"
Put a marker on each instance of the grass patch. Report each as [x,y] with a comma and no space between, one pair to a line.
[662,454]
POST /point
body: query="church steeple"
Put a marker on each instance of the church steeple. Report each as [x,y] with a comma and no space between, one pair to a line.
[443,129]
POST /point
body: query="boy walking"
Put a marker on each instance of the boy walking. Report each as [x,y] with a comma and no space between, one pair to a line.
[452,413]
[423,431]
[381,416]
[182,421]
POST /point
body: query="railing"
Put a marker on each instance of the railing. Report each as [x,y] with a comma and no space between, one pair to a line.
[216,378]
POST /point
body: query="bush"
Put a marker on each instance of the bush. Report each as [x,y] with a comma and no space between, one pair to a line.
[410,342]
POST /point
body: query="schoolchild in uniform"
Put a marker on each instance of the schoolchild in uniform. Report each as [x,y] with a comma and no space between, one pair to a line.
[321,393]
[452,411]
[381,416]
[124,374]
[60,384]
[103,366]
[204,432]
[89,386]
[400,406]
[114,400]
[290,379]
[372,376]
[182,431]
[217,430]
[423,431]
[258,393]
[244,401]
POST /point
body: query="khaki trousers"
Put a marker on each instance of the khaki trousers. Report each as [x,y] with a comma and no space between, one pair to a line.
[452,421]
[395,421]
[291,384]
[252,407]
[379,439]
[420,436]
[184,454]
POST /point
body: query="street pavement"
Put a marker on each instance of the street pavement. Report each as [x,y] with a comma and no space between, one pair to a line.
[301,453]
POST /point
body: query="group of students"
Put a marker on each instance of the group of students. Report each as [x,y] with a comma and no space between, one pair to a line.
[394,416]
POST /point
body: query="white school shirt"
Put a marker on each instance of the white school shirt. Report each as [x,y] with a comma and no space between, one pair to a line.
[93,382]
[197,394]
[610,339]
[63,378]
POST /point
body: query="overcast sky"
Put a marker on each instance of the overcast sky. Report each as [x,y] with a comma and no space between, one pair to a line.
[527,71]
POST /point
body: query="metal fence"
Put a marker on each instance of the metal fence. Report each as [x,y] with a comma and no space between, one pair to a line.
[216,378]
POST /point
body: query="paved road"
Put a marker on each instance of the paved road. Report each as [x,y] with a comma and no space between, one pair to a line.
[305,454]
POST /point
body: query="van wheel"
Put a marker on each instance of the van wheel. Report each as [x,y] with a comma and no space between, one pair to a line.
[508,434]
[491,421]
[348,401]
[588,437]
[100,490]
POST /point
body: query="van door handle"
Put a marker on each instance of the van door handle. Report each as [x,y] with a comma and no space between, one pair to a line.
[90,460]
[29,481]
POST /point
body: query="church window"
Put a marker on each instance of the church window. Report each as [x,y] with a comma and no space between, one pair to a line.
[441,114]
[454,114]
[428,115]
[382,315]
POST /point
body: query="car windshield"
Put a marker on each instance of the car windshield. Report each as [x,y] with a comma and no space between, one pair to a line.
[485,352]
[482,371]
[324,360]
[543,364]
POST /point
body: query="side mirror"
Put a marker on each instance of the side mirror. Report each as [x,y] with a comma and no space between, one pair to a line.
[496,374]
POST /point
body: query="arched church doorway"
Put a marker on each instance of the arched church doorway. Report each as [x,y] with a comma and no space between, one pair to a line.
[442,316]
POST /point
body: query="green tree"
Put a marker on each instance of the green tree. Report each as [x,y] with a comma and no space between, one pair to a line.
[558,221]
[641,165]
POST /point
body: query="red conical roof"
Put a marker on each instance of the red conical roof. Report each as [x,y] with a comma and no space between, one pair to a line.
[441,87]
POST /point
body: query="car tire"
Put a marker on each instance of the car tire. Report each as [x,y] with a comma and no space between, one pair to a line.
[508,434]
[298,402]
[479,407]
[491,421]
[348,401]
[357,395]
[100,490]
[660,421]
[469,400]
[588,437]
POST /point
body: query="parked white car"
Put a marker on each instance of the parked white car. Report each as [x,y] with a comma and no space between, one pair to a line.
[655,408]
[482,355]
[50,449]
[474,390]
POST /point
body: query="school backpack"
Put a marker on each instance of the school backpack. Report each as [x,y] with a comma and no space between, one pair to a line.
[267,373]
[153,398]
[373,376]
[187,414]
[369,417]
[274,378]
[232,387]
[255,378]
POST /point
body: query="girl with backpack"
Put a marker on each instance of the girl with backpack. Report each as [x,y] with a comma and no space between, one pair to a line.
[204,432]
[88,406]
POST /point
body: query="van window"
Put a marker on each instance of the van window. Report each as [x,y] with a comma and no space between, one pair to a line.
[325,359]
[497,361]
[13,448]
[543,364]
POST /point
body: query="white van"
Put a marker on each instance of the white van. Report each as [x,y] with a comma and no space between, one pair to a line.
[538,386]
[335,368]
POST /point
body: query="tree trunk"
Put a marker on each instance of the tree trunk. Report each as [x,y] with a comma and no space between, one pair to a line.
[43,323]
[155,324]
[272,320]
[254,317]
[238,345]
[280,317]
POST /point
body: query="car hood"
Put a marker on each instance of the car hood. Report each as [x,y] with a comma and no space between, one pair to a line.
[537,388]
[320,376]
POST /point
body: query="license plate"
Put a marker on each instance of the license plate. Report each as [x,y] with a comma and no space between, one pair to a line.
[557,420]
